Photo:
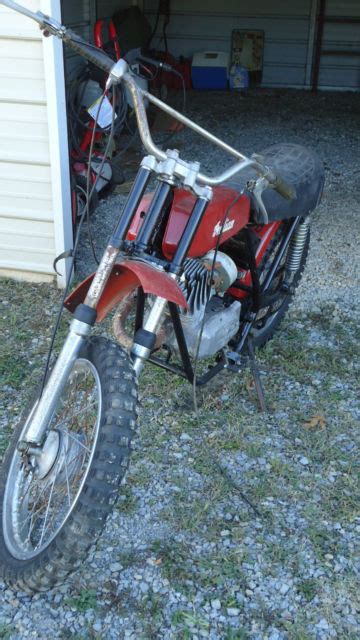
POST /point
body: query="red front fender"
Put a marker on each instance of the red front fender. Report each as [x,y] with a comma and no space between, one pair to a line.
[126,277]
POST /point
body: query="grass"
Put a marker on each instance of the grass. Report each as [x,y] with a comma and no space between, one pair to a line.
[127,501]
[212,572]
[6,631]
[84,600]
[308,588]
[321,493]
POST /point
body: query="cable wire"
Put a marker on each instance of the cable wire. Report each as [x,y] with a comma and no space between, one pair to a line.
[99,170]
[84,213]
[227,211]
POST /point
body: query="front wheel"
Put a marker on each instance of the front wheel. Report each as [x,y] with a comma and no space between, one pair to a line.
[54,505]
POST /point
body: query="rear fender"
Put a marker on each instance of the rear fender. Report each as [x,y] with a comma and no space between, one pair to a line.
[124,278]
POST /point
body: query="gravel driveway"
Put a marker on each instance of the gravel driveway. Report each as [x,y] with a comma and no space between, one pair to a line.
[232,524]
[326,122]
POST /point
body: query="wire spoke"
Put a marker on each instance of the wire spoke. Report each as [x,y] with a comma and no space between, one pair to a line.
[67,482]
[38,498]
[42,504]
[78,441]
[29,486]
[47,513]
[30,516]
[66,418]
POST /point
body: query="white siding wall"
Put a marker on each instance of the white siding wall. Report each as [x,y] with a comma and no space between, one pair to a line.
[27,246]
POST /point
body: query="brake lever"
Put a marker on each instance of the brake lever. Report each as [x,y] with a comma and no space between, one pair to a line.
[275,181]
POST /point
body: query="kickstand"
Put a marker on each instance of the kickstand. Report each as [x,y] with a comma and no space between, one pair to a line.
[256,374]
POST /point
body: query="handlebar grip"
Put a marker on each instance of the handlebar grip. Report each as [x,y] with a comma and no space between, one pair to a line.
[91,53]
[284,189]
[155,63]
[275,181]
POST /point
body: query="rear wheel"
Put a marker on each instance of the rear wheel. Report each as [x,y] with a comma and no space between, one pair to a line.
[285,281]
[54,505]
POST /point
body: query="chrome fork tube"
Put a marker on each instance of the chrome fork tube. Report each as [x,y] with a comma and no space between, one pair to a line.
[40,418]
[139,352]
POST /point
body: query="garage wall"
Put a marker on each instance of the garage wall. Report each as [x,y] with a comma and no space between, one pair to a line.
[288,27]
[27,245]
[201,26]
[106,8]
[341,70]
[79,16]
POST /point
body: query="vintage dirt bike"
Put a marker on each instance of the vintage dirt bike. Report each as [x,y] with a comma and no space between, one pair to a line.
[202,267]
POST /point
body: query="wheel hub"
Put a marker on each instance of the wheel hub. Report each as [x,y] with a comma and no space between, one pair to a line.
[44,461]
[60,457]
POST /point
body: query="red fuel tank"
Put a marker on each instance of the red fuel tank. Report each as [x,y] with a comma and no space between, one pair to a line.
[206,237]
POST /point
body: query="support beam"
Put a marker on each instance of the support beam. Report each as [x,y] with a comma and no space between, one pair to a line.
[314,9]
[58,140]
[318,43]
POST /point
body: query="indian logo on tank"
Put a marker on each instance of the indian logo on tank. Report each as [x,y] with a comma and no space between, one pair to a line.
[227,226]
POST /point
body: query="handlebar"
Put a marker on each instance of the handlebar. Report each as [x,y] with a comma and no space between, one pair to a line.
[92,53]
[119,72]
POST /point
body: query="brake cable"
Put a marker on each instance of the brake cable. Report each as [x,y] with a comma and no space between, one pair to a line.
[196,359]
[85,213]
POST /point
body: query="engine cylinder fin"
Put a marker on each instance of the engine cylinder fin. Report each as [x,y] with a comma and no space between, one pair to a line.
[195,284]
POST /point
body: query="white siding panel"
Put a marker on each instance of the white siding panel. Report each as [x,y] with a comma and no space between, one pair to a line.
[21,71]
[26,209]
[24,133]
[25,242]
[28,240]
[24,198]
[23,50]
[19,26]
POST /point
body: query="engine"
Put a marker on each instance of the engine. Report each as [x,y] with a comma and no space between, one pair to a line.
[219,322]
[203,284]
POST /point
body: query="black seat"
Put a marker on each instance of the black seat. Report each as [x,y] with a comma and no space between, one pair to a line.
[298,166]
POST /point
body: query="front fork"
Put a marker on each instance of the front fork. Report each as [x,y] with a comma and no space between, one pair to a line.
[79,330]
[85,316]
[145,338]
[78,333]
[55,384]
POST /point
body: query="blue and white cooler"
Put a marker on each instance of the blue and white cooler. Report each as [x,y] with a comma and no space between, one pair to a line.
[210,70]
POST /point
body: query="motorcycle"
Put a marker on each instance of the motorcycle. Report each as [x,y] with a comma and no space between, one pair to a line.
[203,267]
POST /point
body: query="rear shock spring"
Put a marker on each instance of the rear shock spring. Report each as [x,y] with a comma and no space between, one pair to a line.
[297,245]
